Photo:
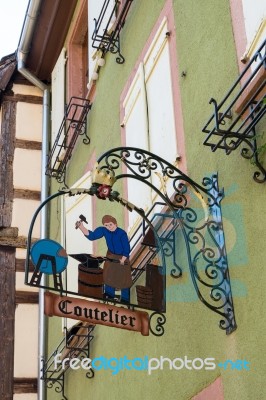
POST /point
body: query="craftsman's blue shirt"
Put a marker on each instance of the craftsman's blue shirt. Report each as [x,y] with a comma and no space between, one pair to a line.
[117,241]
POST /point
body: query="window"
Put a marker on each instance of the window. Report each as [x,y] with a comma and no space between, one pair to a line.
[74,241]
[148,108]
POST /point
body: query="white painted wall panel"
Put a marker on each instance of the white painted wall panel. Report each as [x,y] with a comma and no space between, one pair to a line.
[27,396]
[27,89]
[27,169]
[26,341]
[29,130]
[22,214]
[20,277]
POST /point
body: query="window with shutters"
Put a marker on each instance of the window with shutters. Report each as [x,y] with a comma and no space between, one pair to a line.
[72,239]
[148,115]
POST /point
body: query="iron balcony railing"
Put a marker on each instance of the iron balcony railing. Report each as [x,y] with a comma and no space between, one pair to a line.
[106,35]
[75,344]
[73,125]
[236,117]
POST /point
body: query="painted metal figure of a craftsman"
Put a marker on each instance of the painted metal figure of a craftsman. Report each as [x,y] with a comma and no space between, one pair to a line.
[116,271]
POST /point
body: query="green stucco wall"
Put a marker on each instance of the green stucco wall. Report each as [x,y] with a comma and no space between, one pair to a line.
[206,51]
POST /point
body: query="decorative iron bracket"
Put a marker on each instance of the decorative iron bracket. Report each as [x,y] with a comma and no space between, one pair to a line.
[227,130]
[207,262]
[207,257]
[106,35]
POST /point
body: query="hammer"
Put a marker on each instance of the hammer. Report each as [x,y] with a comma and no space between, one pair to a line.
[81,219]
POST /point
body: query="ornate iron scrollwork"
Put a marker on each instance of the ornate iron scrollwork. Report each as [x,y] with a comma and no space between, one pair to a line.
[207,262]
[158,329]
[194,210]
[90,374]
[207,257]
[58,386]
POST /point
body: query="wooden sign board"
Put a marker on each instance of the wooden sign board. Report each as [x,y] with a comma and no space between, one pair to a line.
[96,313]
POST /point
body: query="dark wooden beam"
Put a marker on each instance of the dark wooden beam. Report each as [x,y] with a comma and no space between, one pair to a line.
[7,254]
[7,321]
[27,194]
[19,242]
[25,385]
[20,265]
[9,232]
[28,144]
[8,66]
[24,297]
[7,147]
[23,98]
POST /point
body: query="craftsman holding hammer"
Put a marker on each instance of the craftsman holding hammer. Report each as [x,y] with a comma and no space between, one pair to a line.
[117,271]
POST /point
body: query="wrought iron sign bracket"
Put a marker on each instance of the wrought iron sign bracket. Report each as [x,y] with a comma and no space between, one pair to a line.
[207,258]
[192,209]
[207,263]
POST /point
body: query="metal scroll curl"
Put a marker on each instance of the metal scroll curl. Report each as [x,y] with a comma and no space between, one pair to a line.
[208,266]
[158,329]
[58,386]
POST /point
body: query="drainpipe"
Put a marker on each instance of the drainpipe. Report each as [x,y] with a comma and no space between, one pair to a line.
[22,53]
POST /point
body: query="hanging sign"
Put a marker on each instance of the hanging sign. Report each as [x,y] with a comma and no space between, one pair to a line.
[96,313]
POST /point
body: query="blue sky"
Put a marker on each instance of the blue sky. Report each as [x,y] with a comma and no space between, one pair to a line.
[12,17]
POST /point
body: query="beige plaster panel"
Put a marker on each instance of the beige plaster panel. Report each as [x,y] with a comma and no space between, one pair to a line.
[22,214]
[27,90]
[29,121]
[21,253]
[25,396]
[27,169]
[26,341]
[20,285]
[20,276]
